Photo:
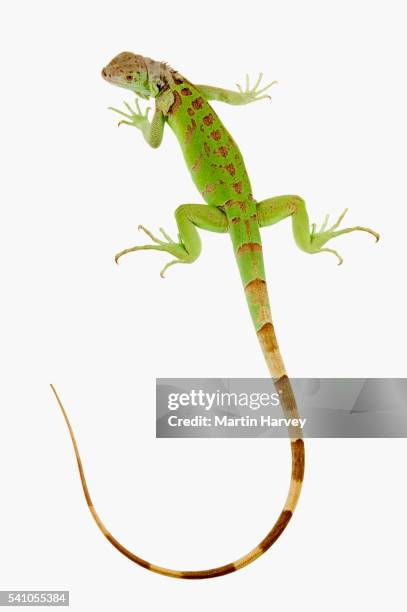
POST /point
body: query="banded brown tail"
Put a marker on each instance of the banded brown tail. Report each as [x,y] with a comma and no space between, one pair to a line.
[297,450]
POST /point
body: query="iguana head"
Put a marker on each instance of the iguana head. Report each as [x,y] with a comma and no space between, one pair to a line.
[142,75]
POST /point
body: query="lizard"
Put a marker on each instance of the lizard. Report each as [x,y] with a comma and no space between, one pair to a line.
[219,173]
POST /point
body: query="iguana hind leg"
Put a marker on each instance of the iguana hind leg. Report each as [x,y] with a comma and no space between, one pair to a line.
[272,210]
[188,218]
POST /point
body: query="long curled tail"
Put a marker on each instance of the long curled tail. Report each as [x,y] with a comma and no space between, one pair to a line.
[297,451]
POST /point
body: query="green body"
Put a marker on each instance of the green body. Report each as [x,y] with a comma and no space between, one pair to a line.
[219,173]
[212,156]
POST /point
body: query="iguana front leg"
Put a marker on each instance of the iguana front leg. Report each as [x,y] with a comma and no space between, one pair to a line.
[188,218]
[275,209]
[250,94]
[152,130]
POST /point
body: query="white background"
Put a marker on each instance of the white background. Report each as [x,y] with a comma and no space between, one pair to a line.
[74,189]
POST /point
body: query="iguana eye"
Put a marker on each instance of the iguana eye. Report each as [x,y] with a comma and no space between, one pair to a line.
[129,77]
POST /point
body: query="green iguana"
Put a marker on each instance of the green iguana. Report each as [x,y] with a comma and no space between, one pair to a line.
[218,171]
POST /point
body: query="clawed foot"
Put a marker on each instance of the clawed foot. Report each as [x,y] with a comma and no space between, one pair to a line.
[254,93]
[168,245]
[136,118]
[321,237]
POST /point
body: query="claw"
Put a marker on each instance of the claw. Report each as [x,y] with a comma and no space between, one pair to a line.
[170,263]
[131,111]
[266,87]
[166,236]
[149,234]
[334,253]
[369,231]
[116,110]
[143,247]
[356,228]
[124,252]
[341,216]
[130,250]
[258,81]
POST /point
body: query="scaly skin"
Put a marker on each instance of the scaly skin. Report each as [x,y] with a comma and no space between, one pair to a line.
[218,171]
